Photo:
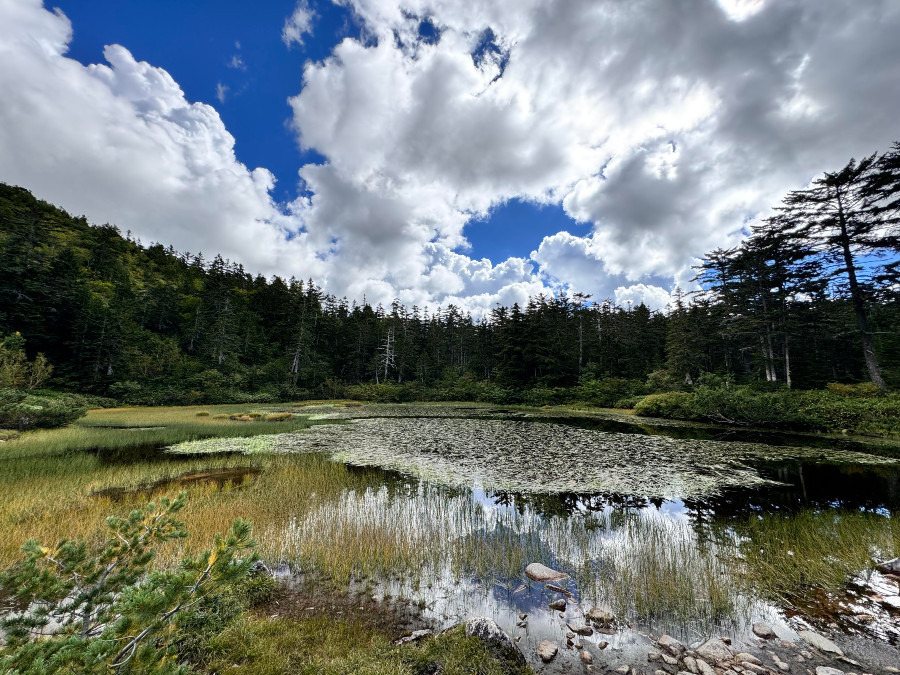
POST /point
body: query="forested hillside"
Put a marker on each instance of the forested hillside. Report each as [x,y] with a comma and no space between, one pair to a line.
[148,324]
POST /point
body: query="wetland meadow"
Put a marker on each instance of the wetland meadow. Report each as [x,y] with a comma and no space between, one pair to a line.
[670,528]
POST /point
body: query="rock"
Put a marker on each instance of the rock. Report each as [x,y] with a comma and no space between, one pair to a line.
[823,644]
[522,617]
[752,667]
[781,665]
[586,657]
[558,589]
[684,672]
[889,566]
[581,630]
[603,644]
[691,664]
[748,658]
[578,644]
[714,651]
[670,660]
[415,636]
[547,650]
[600,616]
[559,604]
[654,656]
[671,645]
[660,672]
[538,572]
[826,670]
[259,567]
[891,669]
[570,635]
[763,631]
[521,624]
[622,669]
[705,668]
[501,646]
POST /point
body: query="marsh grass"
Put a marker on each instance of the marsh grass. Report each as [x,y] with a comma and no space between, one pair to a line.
[116,428]
[784,555]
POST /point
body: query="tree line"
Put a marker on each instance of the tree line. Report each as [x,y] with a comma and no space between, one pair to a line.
[810,297]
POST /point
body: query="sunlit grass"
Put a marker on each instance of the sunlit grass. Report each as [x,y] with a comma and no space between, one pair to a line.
[115,428]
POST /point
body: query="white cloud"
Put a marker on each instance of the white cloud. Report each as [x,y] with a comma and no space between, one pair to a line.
[654,297]
[237,62]
[298,24]
[221,91]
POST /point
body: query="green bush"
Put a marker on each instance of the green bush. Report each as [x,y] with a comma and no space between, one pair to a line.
[607,392]
[803,410]
[674,404]
[22,410]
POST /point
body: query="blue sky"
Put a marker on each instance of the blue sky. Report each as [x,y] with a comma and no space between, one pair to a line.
[471,152]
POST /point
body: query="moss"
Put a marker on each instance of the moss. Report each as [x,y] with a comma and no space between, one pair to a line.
[329,646]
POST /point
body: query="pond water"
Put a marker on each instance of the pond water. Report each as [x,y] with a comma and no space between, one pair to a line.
[688,530]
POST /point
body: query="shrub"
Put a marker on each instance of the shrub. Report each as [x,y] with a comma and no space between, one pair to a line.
[675,404]
[113,614]
[203,413]
[279,417]
[22,410]
[221,416]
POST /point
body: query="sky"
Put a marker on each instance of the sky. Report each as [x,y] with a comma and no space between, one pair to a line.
[471,152]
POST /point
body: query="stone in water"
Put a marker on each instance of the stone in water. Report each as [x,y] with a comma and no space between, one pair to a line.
[538,572]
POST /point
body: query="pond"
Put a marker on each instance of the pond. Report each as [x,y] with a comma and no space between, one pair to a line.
[671,528]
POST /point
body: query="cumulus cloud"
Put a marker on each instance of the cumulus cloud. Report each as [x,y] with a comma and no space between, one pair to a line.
[298,24]
[666,127]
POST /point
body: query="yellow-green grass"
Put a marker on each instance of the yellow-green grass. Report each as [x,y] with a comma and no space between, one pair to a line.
[115,428]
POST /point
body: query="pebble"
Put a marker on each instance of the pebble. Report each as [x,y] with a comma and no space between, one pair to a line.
[586,657]
[558,604]
[602,645]
[826,670]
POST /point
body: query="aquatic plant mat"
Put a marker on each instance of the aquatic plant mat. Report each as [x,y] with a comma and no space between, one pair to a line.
[524,456]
